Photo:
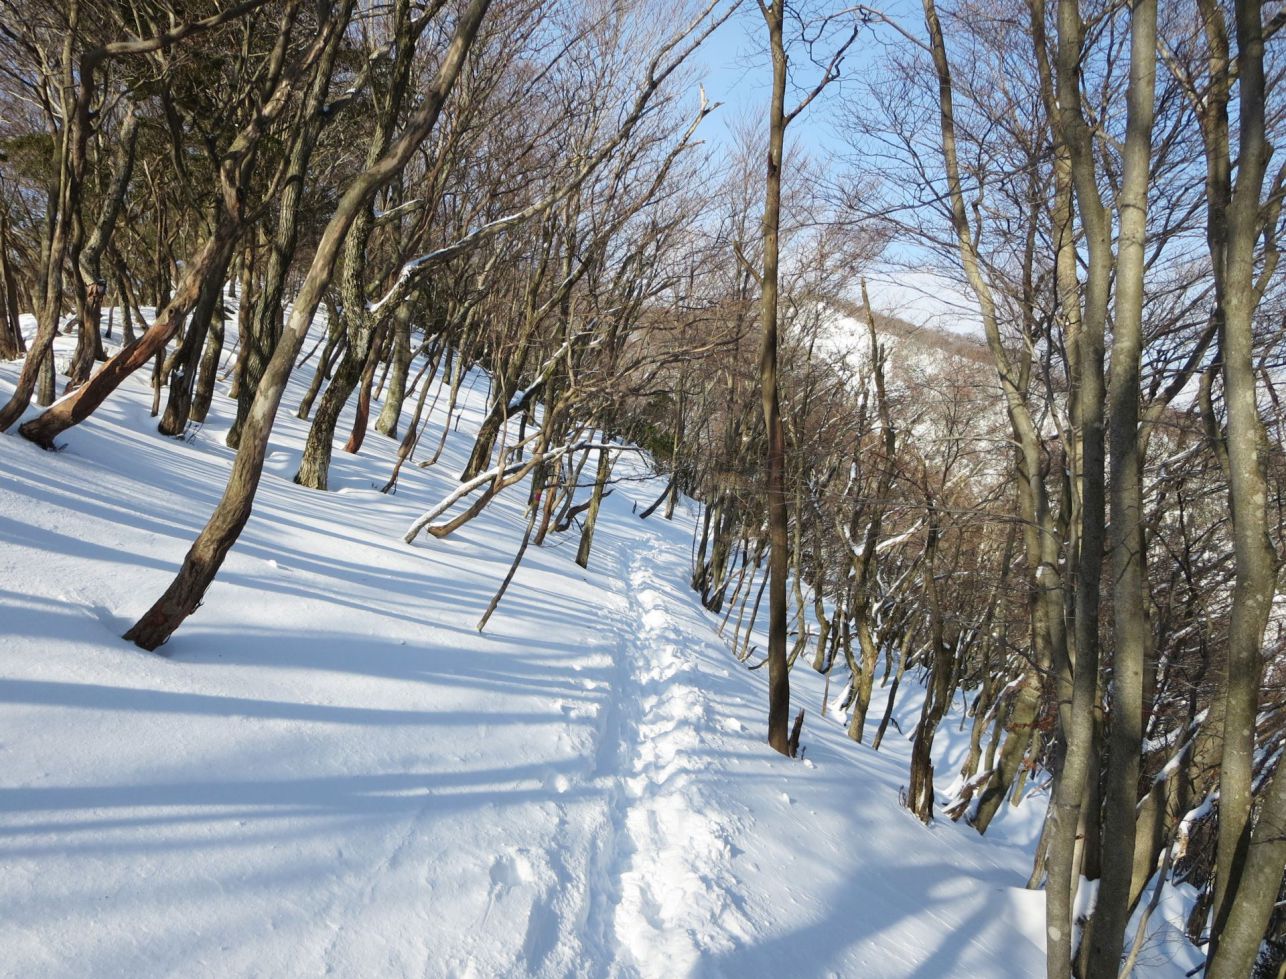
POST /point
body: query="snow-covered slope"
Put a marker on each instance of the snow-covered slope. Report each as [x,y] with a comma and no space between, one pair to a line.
[330,771]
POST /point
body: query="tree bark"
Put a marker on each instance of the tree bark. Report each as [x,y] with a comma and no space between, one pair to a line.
[1238,295]
[1243,927]
[595,501]
[11,340]
[400,367]
[363,413]
[1129,618]
[77,407]
[778,554]
[211,546]
[63,200]
[187,358]
[263,327]
[208,373]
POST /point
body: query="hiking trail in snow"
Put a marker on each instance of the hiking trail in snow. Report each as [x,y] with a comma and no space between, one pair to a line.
[677,892]
[331,772]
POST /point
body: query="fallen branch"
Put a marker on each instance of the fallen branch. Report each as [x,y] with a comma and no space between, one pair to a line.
[501,477]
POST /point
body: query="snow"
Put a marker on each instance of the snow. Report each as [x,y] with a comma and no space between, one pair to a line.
[926,298]
[331,772]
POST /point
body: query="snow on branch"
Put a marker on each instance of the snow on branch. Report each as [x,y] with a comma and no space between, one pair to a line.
[464,489]
[500,477]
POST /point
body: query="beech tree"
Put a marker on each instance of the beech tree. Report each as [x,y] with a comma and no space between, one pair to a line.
[1061,522]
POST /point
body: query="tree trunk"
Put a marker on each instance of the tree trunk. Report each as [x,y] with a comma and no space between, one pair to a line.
[865,681]
[1242,930]
[1238,295]
[920,796]
[64,201]
[414,430]
[263,328]
[903,652]
[1129,618]
[77,407]
[314,466]
[1022,718]
[211,546]
[245,314]
[208,373]
[595,500]
[12,344]
[336,345]
[390,414]
[360,418]
[187,358]
[1077,692]
[778,555]
[90,286]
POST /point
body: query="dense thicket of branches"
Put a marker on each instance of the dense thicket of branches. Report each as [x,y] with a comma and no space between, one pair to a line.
[1069,523]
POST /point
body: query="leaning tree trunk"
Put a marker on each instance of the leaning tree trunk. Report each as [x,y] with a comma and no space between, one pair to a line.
[89,259]
[1022,717]
[314,466]
[211,546]
[64,201]
[187,358]
[938,696]
[265,321]
[234,176]
[358,434]
[414,429]
[364,326]
[1245,923]
[249,280]
[502,409]
[336,344]
[77,407]
[864,681]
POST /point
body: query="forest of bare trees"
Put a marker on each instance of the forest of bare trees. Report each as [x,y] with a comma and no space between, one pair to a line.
[1066,515]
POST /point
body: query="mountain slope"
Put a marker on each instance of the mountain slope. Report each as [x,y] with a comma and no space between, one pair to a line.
[332,772]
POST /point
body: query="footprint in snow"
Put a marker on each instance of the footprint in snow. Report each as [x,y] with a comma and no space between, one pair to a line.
[507,872]
[510,870]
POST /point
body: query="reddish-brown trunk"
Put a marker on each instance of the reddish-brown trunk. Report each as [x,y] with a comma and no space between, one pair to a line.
[76,408]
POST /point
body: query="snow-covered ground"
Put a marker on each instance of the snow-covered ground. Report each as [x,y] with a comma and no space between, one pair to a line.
[331,772]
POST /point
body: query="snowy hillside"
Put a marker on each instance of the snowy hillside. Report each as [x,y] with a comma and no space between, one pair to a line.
[331,772]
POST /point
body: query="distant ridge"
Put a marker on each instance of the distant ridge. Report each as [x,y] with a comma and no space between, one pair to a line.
[928,337]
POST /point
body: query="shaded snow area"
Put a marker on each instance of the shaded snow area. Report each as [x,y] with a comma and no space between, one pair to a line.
[331,772]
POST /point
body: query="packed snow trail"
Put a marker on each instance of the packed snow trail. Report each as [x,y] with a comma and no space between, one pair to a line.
[677,900]
[330,772]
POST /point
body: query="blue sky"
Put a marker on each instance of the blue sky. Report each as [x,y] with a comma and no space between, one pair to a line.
[738,73]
